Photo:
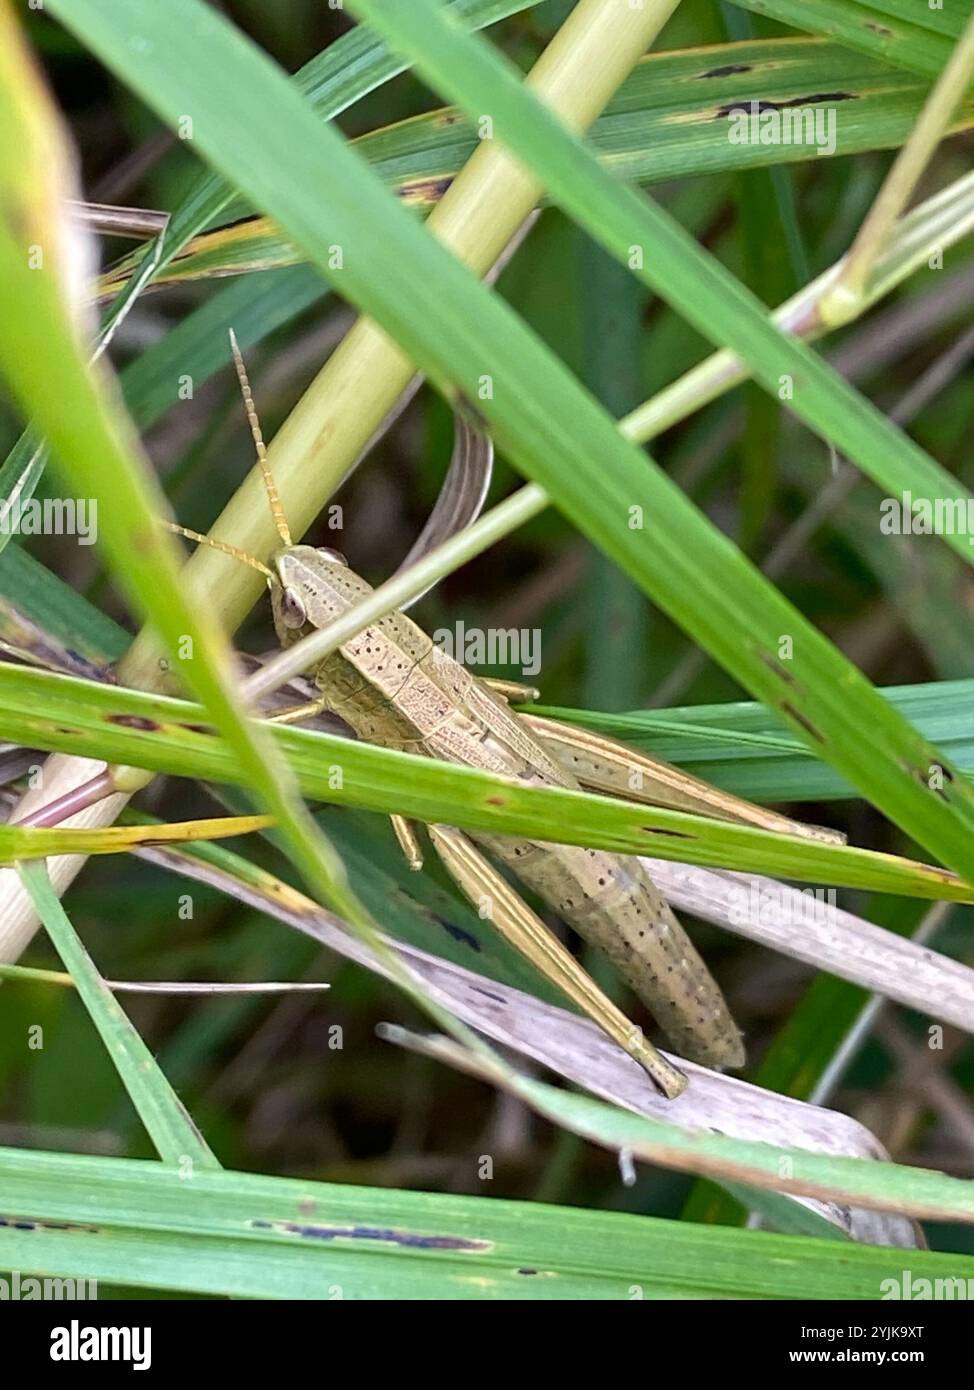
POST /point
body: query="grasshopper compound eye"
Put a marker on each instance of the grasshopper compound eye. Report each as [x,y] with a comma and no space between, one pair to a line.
[335,556]
[292,609]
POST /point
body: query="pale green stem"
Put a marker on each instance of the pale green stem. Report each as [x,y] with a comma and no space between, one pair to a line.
[585,63]
[934,225]
[843,301]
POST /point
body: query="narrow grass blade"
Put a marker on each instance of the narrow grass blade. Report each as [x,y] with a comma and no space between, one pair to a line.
[812,928]
[49,605]
[38,843]
[741,747]
[670,120]
[353,66]
[905,32]
[859,1182]
[133,729]
[165,1117]
[659,252]
[808,1045]
[251,1236]
[199,988]
[570,1046]
[93,441]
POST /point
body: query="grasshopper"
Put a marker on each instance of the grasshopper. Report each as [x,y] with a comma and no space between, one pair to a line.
[394,687]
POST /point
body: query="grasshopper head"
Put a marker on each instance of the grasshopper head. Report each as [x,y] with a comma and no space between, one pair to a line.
[310,587]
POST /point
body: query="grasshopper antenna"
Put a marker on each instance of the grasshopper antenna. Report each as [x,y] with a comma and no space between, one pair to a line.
[273,496]
[223,546]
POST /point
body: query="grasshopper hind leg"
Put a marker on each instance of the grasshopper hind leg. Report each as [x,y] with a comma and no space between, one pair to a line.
[611,901]
[494,899]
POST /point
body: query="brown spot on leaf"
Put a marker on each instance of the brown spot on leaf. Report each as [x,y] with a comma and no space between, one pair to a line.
[408,1239]
[759,105]
[22,1223]
[730,70]
[775,665]
[134,721]
[805,723]
[464,937]
[423,191]
[479,989]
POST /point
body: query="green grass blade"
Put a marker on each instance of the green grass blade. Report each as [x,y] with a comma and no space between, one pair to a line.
[802,1051]
[669,120]
[669,260]
[905,32]
[166,1119]
[19,476]
[196,347]
[31,589]
[349,69]
[93,443]
[854,1181]
[413,908]
[252,1236]
[140,730]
